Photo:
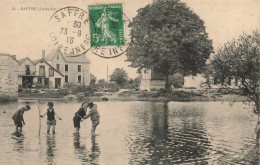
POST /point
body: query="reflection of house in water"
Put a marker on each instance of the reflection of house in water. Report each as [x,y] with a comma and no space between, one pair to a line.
[54,71]
[8,78]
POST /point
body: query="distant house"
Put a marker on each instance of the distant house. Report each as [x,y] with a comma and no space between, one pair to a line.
[9,77]
[48,76]
[54,71]
[152,80]
[155,80]
[75,69]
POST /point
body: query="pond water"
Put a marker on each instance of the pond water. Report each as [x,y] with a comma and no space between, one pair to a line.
[134,133]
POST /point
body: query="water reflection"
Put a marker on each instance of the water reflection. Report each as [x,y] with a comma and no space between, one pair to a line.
[173,138]
[80,150]
[51,148]
[95,151]
[19,142]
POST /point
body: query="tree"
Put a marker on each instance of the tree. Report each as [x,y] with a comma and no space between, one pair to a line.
[169,37]
[102,83]
[240,60]
[119,76]
[93,80]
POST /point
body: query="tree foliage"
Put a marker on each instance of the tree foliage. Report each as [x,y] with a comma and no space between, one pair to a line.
[169,37]
[119,76]
[93,80]
[240,60]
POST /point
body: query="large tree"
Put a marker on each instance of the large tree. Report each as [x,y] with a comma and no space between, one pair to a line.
[119,76]
[169,37]
[239,60]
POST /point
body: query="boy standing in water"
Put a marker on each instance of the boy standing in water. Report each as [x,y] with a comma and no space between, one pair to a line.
[94,116]
[51,118]
[79,116]
[18,118]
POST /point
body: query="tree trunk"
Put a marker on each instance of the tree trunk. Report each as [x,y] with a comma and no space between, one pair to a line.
[167,85]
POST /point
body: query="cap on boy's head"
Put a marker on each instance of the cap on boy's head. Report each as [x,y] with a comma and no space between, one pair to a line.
[50,104]
[90,104]
[84,105]
[28,107]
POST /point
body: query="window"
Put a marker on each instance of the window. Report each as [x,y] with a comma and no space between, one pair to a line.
[66,67]
[66,78]
[79,68]
[42,70]
[58,56]
[39,80]
[79,79]
[27,69]
[51,72]
[58,67]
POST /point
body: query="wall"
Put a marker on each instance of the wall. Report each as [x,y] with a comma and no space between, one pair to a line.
[8,78]
[193,81]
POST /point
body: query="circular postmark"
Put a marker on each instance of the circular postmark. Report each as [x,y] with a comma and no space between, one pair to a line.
[70,31]
[109,32]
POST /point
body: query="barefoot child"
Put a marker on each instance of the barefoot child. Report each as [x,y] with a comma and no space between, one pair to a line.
[79,116]
[51,118]
[18,118]
[94,116]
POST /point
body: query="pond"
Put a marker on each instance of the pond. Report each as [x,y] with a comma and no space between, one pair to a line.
[134,133]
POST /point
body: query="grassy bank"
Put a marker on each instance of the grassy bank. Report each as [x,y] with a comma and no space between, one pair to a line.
[176,95]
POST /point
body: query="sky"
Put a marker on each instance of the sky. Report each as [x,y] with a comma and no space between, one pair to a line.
[25,33]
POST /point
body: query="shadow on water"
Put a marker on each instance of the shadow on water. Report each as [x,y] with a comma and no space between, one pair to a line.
[51,148]
[161,145]
[81,152]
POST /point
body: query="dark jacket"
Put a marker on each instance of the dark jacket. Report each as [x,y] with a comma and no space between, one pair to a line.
[50,115]
[80,113]
[18,115]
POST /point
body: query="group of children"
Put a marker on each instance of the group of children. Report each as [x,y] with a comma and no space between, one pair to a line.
[80,115]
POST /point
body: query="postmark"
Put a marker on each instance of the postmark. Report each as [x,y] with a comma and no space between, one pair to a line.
[70,31]
[109,32]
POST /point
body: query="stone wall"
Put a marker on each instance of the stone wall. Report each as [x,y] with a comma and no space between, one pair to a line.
[8,78]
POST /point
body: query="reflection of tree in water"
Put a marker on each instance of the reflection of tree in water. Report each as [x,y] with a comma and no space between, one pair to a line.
[171,138]
[251,153]
[51,148]
[82,153]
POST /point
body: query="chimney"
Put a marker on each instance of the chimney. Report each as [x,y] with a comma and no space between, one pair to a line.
[43,54]
[14,56]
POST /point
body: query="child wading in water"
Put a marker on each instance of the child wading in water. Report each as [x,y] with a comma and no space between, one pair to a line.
[79,116]
[94,116]
[51,118]
[18,118]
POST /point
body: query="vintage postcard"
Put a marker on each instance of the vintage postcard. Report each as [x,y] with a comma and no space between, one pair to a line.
[130,82]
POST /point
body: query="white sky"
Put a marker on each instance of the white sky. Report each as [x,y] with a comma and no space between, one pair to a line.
[25,33]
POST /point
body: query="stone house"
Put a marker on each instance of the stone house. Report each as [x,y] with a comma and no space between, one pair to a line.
[9,77]
[75,69]
[152,80]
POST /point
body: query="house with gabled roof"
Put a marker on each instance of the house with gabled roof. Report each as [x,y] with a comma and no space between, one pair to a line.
[47,75]
[76,70]
[26,72]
